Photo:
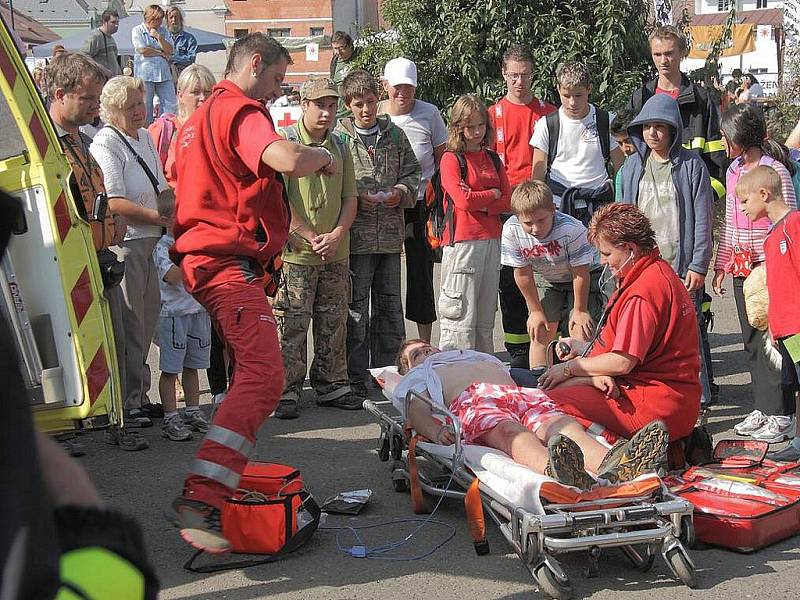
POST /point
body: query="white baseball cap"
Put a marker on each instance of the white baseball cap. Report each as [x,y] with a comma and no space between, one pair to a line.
[399,71]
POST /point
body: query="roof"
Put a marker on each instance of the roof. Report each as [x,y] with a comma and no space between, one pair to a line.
[49,11]
[28,30]
[765,16]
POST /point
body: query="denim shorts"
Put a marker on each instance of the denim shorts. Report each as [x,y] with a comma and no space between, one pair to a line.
[185,342]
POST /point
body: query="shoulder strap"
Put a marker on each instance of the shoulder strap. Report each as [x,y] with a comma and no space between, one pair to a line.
[496,160]
[553,125]
[603,130]
[499,130]
[139,159]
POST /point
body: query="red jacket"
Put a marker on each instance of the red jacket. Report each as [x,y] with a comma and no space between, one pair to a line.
[667,380]
[224,210]
[476,213]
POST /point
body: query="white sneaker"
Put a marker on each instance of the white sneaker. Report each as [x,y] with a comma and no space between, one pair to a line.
[775,430]
[752,422]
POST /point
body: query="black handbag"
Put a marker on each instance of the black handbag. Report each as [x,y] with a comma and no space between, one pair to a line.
[111,269]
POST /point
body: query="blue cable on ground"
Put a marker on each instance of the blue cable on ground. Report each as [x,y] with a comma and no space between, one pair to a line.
[361,550]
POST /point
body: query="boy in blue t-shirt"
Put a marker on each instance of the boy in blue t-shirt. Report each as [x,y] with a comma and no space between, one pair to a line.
[184,339]
[553,267]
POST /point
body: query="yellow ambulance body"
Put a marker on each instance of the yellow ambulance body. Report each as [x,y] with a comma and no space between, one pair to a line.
[51,287]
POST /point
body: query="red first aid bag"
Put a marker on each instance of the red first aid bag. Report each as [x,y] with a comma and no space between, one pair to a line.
[742,501]
[271,513]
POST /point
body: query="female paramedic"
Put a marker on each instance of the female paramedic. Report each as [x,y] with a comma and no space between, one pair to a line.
[646,340]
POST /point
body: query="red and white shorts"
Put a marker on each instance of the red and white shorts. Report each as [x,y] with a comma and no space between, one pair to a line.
[483,405]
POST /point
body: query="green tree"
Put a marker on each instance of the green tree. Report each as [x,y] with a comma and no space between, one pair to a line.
[458,44]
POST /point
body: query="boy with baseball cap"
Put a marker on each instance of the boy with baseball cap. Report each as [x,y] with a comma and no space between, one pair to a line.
[316,262]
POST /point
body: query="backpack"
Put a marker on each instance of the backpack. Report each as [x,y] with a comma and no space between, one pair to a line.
[554,125]
[292,135]
[439,210]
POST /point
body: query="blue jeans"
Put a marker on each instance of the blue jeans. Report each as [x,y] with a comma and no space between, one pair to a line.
[165,90]
[375,325]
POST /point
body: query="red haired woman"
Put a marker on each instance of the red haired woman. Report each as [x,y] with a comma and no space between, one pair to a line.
[647,340]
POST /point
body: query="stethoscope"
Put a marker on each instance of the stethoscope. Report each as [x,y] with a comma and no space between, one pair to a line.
[557,348]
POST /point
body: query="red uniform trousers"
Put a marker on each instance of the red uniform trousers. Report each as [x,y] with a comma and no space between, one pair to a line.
[244,320]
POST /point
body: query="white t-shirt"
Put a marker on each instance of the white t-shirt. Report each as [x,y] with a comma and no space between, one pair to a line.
[175,300]
[579,157]
[124,176]
[552,256]
[425,129]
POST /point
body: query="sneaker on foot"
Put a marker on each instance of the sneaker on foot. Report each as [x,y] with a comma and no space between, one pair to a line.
[153,410]
[200,525]
[566,463]
[349,401]
[174,429]
[751,423]
[639,455]
[195,421]
[613,456]
[775,430]
[288,408]
[788,454]
[137,418]
[126,440]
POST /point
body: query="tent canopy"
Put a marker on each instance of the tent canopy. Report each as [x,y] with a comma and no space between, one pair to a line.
[207,41]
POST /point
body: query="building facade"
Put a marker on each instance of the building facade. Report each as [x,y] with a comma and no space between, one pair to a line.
[305,28]
[772,23]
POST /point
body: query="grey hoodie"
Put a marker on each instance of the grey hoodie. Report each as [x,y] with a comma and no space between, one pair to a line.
[690,177]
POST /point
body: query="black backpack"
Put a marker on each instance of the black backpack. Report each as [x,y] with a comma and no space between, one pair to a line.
[439,210]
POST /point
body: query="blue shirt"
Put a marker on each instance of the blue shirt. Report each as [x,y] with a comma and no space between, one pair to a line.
[150,68]
[184,50]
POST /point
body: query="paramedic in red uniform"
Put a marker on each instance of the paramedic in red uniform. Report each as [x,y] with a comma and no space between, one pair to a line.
[231,220]
[648,343]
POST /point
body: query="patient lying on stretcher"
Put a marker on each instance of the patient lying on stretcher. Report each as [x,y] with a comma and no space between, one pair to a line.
[522,422]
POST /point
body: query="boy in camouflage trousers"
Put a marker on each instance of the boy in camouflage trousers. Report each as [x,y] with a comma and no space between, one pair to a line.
[315,268]
[387,176]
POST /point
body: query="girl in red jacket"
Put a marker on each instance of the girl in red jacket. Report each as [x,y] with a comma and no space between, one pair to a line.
[471,258]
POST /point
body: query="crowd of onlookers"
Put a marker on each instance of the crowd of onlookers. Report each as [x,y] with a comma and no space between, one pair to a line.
[520,178]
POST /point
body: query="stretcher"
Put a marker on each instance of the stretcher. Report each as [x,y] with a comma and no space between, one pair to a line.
[540,518]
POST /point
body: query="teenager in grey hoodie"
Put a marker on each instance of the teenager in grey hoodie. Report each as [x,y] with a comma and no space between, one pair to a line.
[670,184]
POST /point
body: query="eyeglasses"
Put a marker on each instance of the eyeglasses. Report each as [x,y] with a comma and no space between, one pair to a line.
[519,76]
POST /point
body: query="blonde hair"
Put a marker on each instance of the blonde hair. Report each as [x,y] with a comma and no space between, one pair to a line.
[174,9]
[531,195]
[196,74]
[154,11]
[463,110]
[760,178]
[115,95]
[573,74]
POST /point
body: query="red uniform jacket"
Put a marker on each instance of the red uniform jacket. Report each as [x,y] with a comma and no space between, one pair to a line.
[225,214]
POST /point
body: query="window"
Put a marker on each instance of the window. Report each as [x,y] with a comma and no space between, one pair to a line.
[240,33]
[11,142]
[761,3]
[723,5]
[281,32]
[315,31]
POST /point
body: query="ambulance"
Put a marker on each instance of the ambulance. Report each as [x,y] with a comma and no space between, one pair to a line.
[51,290]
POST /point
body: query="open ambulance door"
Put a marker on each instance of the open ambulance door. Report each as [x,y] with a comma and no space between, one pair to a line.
[50,286]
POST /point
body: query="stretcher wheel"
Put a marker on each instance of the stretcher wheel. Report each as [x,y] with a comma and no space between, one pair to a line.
[687,536]
[681,566]
[399,481]
[553,583]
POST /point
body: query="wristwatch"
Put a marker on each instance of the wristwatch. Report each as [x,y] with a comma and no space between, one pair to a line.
[330,156]
[567,369]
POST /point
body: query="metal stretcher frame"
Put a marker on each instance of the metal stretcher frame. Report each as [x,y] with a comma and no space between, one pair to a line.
[640,527]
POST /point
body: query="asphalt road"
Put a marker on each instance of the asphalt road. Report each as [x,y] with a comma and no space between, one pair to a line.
[336,452]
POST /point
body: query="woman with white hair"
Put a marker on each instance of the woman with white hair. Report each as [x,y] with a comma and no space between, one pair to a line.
[194,86]
[133,178]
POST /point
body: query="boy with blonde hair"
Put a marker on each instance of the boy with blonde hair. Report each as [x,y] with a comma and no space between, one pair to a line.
[760,194]
[553,264]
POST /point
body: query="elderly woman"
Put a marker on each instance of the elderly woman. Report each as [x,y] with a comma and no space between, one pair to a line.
[153,45]
[194,86]
[133,178]
[647,340]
